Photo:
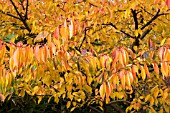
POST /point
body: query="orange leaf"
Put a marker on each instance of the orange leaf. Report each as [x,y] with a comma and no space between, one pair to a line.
[122,78]
[127,79]
[156,1]
[164,69]
[56,33]
[156,69]
[146,70]
[134,70]
[108,90]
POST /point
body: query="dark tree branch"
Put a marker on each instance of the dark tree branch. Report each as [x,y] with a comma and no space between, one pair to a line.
[85,35]
[153,15]
[21,17]
[135,18]
[94,109]
[111,24]
[116,101]
[26,11]
[16,9]
[145,33]
[152,19]
[11,15]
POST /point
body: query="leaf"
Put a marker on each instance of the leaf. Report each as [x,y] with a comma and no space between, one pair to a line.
[143,74]
[147,98]
[162,42]
[56,33]
[156,69]
[68,104]
[122,78]
[134,70]
[2,97]
[87,88]
[71,29]
[146,70]
[167,3]
[151,101]
[102,90]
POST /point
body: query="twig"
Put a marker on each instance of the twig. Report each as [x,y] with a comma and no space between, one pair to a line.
[94,109]
[116,101]
[152,19]
[114,26]
[21,17]
[8,14]
[145,33]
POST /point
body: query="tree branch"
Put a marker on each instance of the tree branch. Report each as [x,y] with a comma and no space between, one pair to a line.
[94,109]
[135,18]
[152,19]
[111,102]
[11,15]
[145,33]
[26,11]
[21,17]
[111,24]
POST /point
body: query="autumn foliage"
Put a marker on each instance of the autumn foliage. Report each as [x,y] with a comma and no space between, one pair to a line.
[88,52]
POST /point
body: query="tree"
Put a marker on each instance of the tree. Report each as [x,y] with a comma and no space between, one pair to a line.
[87,53]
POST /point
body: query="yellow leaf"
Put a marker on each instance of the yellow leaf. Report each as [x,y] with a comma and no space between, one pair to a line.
[68,104]
[39,99]
[162,42]
[136,33]
[151,101]
[166,108]
[147,98]
[103,90]
[143,74]
[87,88]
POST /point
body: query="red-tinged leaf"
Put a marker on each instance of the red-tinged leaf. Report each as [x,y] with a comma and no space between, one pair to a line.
[121,59]
[124,56]
[143,74]
[19,44]
[2,97]
[41,36]
[108,90]
[1,44]
[146,70]
[130,76]
[122,78]
[103,90]
[168,3]
[36,52]
[115,56]
[161,52]
[156,69]
[57,33]
[150,44]
[134,70]
[156,1]
[16,57]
